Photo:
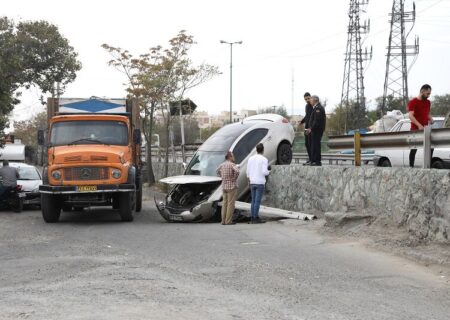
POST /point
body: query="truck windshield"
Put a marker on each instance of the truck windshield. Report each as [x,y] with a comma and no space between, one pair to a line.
[89,132]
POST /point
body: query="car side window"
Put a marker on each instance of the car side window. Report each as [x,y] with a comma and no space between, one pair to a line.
[248,143]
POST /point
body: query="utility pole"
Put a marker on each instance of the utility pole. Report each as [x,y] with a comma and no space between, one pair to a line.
[396,78]
[352,97]
[292,92]
[231,75]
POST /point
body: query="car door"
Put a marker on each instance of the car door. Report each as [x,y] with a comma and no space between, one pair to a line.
[439,153]
[404,126]
[396,156]
[242,150]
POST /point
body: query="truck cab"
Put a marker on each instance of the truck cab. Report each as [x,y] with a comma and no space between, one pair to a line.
[93,157]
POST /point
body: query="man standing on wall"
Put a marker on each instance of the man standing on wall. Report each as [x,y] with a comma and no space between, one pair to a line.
[229,173]
[305,121]
[316,128]
[257,170]
[419,113]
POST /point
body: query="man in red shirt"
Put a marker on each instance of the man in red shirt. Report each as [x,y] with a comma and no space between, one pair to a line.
[419,113]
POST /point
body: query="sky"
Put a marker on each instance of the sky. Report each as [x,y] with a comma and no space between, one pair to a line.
[288,46]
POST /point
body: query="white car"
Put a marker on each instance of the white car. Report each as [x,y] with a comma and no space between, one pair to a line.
[400,157]
[195,195]
[30,179]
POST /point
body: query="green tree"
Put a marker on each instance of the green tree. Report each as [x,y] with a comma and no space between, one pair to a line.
[205,133]
[159,77]
[336,121]
[32,53]
[440,105]
[27,131]
[392,103]
[191,130]
[373,115]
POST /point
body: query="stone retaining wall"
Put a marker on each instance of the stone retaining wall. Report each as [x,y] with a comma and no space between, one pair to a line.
[417,199]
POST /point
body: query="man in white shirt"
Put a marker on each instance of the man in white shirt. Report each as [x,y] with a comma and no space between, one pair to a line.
[257,170]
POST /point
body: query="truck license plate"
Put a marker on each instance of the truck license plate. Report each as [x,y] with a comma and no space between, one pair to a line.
[87,188]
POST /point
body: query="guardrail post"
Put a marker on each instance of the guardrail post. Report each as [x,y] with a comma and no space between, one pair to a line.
[426,147]
[357,148]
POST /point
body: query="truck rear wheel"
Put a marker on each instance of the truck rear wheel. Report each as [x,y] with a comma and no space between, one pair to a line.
[51,208]
[126,206]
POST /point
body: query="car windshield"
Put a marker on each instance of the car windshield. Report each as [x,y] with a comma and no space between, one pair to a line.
[437,124]
[89,132]
[205,163]
[28,173]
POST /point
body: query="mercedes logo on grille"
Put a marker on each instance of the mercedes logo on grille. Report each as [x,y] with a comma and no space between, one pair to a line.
[85,173]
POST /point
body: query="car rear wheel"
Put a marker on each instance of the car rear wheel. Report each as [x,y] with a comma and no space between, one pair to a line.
[284,153]
[385,163]
[437,164]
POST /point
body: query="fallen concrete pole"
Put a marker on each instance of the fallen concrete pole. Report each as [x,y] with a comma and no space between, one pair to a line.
[265,211]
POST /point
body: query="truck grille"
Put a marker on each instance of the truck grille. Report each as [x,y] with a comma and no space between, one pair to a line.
[86,173]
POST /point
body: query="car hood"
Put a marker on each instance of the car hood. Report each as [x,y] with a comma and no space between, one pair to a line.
[29,185]
[185,179]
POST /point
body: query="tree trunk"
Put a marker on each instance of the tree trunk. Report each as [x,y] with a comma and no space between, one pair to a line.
[150,173]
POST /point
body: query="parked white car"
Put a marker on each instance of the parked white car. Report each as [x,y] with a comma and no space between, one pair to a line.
[195,195]
[30,179]
[400,157]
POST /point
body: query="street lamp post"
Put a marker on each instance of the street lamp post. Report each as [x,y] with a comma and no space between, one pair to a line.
[231,75]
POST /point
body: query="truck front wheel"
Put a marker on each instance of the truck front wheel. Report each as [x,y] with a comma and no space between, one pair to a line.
[51,208]
[139,197]
[126,206]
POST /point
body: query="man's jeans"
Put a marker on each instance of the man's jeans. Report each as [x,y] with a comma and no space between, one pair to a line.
[257,191]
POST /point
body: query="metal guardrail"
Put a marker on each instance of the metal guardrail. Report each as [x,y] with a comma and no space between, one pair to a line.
[333,158]
[426,139]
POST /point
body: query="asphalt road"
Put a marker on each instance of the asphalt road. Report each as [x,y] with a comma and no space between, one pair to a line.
[92,266]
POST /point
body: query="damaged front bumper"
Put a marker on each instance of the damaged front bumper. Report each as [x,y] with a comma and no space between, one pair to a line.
[201,212]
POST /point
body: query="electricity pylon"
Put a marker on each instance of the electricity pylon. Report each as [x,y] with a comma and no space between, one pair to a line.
[396,78]
[352,97]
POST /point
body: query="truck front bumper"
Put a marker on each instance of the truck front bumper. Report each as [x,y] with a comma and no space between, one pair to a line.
[75,189]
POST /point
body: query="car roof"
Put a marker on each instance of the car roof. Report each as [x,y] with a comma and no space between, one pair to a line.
[409,120]
[20,164]
[272,117]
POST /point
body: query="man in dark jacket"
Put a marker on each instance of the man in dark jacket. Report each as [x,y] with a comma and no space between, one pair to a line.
[316,128]
[305,121]
[8,177]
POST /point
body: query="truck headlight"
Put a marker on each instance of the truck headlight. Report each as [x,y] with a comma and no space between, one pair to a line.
[56,175]
[116,173]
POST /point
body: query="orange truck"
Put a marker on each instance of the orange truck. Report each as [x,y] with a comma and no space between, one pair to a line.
[93,156]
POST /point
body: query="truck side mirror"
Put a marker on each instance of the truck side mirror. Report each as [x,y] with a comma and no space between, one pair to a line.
[137,136]
[40,137]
